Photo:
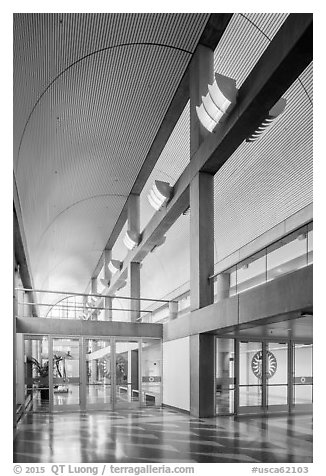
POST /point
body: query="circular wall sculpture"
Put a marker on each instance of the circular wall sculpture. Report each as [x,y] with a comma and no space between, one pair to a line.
[257,364]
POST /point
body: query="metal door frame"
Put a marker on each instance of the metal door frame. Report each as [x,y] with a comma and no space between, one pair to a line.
[82,406]
[72,407]
[289,407]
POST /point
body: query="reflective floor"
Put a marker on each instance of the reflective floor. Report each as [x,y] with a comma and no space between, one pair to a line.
[161,435]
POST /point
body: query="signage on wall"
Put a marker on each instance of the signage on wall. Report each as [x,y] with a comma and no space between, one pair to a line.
[257,364]
[151,379]
[303,380]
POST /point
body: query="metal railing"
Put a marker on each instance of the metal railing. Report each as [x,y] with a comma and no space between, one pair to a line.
[285,255]
[71,305]
[293,251]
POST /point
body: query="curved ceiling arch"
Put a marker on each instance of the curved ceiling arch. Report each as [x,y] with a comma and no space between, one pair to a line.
[122,45]
[69,207]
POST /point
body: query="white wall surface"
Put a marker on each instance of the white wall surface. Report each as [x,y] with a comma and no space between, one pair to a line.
[176,373]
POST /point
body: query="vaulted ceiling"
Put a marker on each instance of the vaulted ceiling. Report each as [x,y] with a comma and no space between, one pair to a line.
[90,92]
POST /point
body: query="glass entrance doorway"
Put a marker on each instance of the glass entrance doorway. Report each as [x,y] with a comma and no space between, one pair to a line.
[36,370]
[65,382]
[126,364]
[251,372]
[91,373]
[273,376]
[99,372]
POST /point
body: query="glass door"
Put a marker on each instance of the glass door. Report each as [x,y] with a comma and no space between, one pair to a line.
[65,374]
[224,376]
[99,369]
[126,374]
[151,372]
[251,370]
[303,376]
[277,376]
[36,368]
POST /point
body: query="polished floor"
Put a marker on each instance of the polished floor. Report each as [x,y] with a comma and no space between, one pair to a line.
[161,435]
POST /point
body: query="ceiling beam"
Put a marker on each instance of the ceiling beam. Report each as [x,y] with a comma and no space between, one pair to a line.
[210,37]
[289,53]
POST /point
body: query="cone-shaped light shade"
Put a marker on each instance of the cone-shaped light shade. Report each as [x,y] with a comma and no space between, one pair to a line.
[205,118]
[273,114]
[223,92]
[131,239]
[221,96]
[114,265]
[159,194]
[212,110]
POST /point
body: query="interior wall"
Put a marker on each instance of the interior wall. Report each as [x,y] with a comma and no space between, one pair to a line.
[176,373]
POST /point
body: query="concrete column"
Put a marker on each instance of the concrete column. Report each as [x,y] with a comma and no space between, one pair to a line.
[173,309]
[107,277]
[133,213]
[129,375]
[93,363]
[94,291]
[201,74]
[134,276]
[134,268]
[202,378]
[222,284]
[201,240]
[201,188]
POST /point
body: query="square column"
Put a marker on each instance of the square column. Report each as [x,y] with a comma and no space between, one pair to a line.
[134,276]
[202,375]
[94,291]
[201,240]
[134,267]
[133,213]
[201,74]
[202,346]
[107,277]
[222,282]
[201,188]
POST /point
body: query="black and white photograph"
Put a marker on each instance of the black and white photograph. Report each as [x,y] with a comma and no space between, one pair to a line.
[163,240]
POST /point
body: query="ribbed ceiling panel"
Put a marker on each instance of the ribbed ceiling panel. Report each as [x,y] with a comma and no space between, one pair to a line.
[244,41]
[86,112]
[266,181]
[45,45]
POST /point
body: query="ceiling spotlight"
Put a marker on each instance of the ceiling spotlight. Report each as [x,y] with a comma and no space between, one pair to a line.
[131,239]
[114,265]
[218,101]
[275,112]
[159,194]
[159,242]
